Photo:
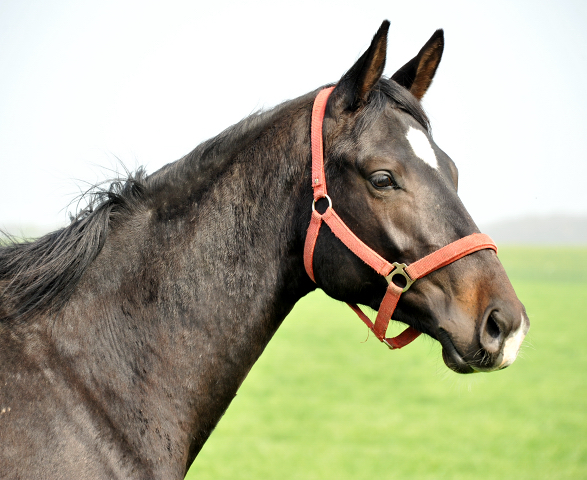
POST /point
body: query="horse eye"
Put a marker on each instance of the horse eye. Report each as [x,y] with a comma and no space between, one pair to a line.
[382,180]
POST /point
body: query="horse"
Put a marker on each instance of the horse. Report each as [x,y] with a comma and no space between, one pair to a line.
[125,335]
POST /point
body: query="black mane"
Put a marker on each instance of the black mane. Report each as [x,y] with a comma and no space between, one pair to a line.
[36,275]
[41,274]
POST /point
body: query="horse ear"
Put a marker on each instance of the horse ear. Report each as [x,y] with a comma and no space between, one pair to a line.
[417,74]
[354,87]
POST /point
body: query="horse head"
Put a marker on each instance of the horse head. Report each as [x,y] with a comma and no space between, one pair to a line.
[397,192]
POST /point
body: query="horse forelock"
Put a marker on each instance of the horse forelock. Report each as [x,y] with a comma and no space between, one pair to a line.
[388,90]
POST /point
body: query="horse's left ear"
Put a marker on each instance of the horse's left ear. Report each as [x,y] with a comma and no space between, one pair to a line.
[352,91]
[417,74]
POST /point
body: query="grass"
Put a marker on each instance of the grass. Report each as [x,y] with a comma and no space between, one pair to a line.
[322,403]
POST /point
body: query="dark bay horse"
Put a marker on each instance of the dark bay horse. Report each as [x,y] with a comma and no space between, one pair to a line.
[125,336]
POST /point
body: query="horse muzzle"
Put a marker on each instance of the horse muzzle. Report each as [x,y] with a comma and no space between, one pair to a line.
[499,340]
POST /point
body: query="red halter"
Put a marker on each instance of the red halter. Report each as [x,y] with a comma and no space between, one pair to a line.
[411,273]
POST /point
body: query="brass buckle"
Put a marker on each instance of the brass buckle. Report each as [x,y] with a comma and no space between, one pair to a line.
[400,269]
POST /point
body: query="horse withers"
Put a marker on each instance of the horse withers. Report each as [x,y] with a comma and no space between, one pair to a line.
[125,336]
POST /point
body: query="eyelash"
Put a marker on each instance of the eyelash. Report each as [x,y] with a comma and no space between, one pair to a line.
[386,179]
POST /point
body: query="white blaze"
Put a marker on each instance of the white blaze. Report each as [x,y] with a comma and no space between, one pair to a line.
[421,146]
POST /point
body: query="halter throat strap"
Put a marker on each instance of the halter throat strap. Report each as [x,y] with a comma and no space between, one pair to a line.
[411,273]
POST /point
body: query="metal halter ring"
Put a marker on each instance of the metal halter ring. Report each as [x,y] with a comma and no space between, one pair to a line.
[400,270]
[316,199]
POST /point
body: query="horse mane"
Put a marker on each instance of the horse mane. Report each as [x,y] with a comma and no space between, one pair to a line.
[40,275]
[208,160]
[36,275]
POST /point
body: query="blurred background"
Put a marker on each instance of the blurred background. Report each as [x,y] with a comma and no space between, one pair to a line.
[86,87]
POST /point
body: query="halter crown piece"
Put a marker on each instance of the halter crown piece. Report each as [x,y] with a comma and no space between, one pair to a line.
[441,257]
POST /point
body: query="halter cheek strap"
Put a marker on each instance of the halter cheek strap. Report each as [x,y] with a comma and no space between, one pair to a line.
[411,273]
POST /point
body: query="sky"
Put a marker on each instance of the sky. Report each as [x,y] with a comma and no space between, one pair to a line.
[86,87]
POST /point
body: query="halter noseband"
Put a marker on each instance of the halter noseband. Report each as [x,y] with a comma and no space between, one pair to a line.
[445,255]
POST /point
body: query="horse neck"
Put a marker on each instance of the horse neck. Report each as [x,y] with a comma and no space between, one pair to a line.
[183,299]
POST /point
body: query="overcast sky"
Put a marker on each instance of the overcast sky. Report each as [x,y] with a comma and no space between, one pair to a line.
[84,84]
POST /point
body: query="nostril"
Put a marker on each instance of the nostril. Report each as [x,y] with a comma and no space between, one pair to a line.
[492,327]
[492,333]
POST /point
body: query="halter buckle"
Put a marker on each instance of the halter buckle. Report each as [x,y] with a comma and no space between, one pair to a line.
[400,269]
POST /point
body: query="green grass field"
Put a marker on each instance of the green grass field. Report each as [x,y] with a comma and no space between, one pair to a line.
[322,403]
